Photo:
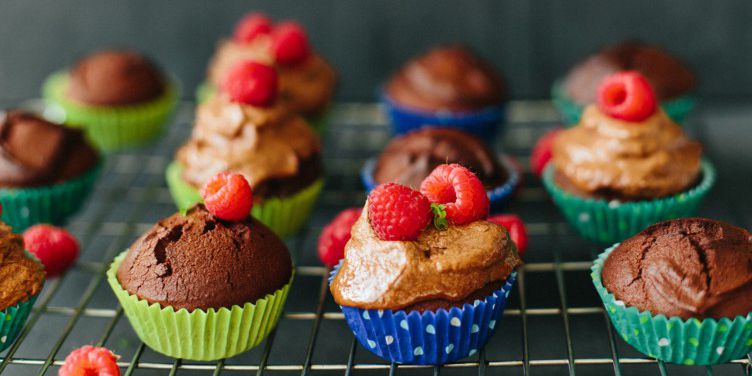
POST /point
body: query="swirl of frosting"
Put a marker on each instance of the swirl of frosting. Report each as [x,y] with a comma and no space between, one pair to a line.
[441,264]
[611,158]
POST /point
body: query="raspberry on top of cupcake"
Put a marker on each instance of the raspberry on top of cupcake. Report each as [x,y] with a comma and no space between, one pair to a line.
[426,250]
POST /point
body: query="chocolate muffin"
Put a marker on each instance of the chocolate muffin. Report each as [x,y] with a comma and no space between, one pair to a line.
[668,75]
[20,276]
[115,78]
[449,78]
[198,261]
[690,268]
[409,159]
[36,152]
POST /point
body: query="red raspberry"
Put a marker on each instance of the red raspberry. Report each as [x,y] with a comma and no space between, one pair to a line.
[228,196]
[90,361]
[459,190]
[252,25]
[541,154]
[626,96]
[516,228]
[251,83]
[335,235]
[397,212]
[53,246]
[290,44]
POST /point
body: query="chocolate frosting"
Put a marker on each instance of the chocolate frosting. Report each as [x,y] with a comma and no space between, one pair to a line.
[115,78]
[20,276]
[693,267]
[607,157]
[409,159]
[197,261]
[669,76]
[35,152]
[450,264]
[446,78]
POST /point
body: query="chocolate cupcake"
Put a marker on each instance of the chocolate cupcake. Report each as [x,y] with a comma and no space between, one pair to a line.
[681,290]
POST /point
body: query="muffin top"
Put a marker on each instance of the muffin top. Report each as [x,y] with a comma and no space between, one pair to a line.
[198,261]
[446,78]
[36,152]
[690,268]
[115,78]
[20,276]
[408,159]
[669,76]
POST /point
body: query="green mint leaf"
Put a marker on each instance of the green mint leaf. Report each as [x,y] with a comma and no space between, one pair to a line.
[439,216]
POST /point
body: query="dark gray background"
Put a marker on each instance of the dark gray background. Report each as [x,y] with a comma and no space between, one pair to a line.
[532,42]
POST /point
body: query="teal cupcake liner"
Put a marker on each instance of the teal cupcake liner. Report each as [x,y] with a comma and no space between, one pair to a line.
[677,108]
[113,128]
[53,204]
[671,339]
[13,318]
[613,221]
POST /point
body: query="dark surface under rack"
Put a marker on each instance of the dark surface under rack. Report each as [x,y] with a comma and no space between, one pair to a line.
[555,324]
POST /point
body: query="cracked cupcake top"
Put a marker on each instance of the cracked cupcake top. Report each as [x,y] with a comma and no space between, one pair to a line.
[21,277]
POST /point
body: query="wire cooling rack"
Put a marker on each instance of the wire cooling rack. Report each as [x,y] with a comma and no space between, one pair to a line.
[554,325]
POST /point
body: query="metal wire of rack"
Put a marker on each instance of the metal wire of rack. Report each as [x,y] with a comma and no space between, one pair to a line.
[555,323]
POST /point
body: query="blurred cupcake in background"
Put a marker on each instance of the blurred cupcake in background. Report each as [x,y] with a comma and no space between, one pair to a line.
[448,86]
[671,79]
[306,80]
[119,97]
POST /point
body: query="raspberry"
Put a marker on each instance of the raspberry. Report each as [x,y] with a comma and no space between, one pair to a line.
[335,235]
[626,96]
[252,25]
[251,83]
[459,191]
[290,44]
[516,228]
[90,361]
[53,246]
[397,212]
[541,154]
[228,196]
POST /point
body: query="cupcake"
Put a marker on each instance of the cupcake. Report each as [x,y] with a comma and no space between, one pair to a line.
[447,86]
[197,286]
[306,79]
[626,165]
[21,280]
[46,170]
[681,291]
[672,81]
[410,158]
[425,276]
[245,129]
[119,97]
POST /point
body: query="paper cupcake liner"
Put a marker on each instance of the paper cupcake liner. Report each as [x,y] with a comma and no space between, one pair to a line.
[613,221]
[13,318]
[199,335]
[483,123]
[431,337]
[53,204]
[285,216]
[677,109]
[671,339]
[113,128]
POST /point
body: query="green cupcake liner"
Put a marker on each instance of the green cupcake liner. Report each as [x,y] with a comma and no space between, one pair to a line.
[284,216]
[200,335]
[671,339]
[613,221]
[677,108]
[13,318]
[53,204]
[204,90]
[113,128]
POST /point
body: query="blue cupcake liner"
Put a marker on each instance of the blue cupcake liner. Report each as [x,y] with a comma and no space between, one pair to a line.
[483,123]
[431,337]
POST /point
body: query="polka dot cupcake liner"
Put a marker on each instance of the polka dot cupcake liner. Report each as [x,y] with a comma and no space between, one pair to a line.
[13,318]
[609,222]
[677,108]
[432,337]
[671,339]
